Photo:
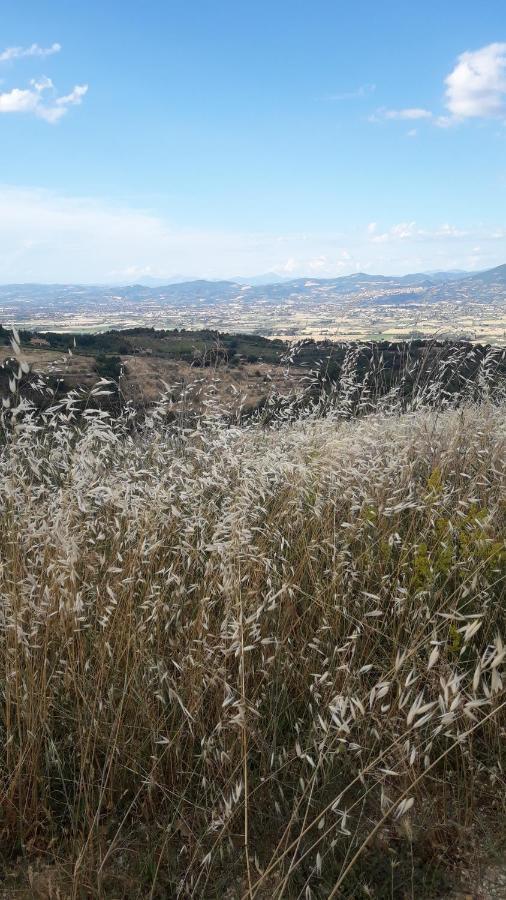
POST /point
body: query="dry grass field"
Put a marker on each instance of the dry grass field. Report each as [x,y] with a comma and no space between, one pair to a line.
[146,378]
[246,661]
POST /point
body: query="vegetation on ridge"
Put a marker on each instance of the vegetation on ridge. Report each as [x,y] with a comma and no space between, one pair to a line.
[244,370]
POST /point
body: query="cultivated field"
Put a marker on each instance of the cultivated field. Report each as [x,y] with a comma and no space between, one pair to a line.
[251,660]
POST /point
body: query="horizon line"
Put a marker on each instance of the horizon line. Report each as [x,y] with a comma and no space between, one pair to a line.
[216,280]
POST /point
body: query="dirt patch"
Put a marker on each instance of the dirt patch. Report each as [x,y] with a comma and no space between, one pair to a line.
[146,378]
[491,885]
[75,369]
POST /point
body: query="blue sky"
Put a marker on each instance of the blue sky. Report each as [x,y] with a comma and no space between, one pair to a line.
[232,138]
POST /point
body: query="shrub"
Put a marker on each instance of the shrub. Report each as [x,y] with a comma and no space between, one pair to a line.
[108,366]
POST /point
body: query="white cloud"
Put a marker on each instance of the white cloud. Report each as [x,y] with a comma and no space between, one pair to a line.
[49,237]
[32,100]
[51,114]
[43,84]
[11,53]
[449,231]
[476,87]
[412,113]
[18,101]
[404,230]
[52,238]
[410,230]
[74,98]
[396,233]
[287,268]
[317,265]
[50,108]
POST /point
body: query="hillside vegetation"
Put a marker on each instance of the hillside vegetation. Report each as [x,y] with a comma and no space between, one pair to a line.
[253,657]
[243,371]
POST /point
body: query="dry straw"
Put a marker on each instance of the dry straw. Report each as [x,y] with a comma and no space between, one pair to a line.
[235,654]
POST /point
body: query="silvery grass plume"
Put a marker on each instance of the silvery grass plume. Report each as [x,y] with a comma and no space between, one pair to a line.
[240,652]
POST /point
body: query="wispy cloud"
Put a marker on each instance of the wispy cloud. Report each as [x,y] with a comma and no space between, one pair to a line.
[74,98]
[411,113]
[359,93]
[11,53]
[49,237]
[33,100]
[411,231]
[40,98]
[397,232]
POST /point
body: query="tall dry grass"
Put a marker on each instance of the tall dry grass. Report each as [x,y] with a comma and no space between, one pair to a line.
[249,661]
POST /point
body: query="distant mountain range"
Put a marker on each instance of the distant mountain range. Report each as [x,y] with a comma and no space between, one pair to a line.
[241,302]
[269,285]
